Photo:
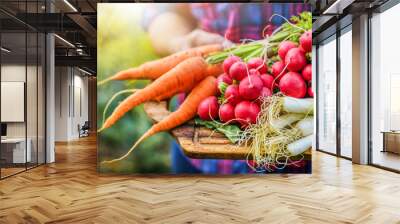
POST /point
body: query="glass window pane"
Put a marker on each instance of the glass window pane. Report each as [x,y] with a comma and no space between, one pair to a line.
[385,89]
[23,86]
[327,96]
[13,85]
[346,94]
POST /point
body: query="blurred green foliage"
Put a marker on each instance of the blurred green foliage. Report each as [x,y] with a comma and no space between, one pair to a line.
[122,44]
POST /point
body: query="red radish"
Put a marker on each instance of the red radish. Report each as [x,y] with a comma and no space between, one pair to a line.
[284,47]
[208,108]
[292,84]
[307,72]
[306,41]
[310,92]
[254,72]
[224,78]
[238,71]
[232,94]
[247,112]
[228,62]
[267,80]
[227,112]
[277,69]
[258,64]
[265,92]
[295,59]
[250,87]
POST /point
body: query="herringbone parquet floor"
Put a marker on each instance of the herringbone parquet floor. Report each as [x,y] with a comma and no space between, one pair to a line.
[70,191]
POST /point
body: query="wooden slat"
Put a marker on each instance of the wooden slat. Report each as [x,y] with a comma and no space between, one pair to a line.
[201,142]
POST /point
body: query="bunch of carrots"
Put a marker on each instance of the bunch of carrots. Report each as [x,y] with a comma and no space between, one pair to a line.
[185,71]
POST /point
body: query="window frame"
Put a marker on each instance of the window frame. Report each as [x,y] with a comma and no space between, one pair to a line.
[339,32]
[379,10]
[26,30]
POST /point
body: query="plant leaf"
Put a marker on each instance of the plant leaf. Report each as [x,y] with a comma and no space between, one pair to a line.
[222,87]
[232,132]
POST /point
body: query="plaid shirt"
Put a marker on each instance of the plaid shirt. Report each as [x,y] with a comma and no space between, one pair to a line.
[238,21]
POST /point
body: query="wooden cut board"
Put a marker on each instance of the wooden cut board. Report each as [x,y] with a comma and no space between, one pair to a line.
[200,142]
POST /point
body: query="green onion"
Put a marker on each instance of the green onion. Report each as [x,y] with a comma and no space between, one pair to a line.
[297,147]
[252,49]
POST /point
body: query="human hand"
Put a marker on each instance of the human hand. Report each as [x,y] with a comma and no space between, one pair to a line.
[197,38]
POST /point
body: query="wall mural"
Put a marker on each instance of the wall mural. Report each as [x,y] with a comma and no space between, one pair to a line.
[205,88]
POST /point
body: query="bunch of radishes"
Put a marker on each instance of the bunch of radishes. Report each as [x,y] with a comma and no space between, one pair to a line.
[293,71]
[240,88]
[243,85]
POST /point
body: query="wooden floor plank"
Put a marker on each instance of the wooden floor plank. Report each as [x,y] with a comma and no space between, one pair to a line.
[71,191]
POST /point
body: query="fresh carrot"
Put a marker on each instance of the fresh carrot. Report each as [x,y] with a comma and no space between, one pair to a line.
[215,70]
[166,96]
[154,69]
[212,70]
[185,112]
[185,75]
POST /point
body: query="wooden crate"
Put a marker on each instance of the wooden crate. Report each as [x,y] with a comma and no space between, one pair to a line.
[200,142]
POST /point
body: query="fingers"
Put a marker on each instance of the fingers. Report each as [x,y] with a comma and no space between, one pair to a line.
[197,38]
[200,37]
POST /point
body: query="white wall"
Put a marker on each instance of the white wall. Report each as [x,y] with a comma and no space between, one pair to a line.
[16,73]
[71,102]
[80,110]
[61,103]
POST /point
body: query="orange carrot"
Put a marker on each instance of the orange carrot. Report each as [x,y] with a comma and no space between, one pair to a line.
[187,73]
[184,113]
[166,96]
[154,69]
[212,70]
[215,70]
